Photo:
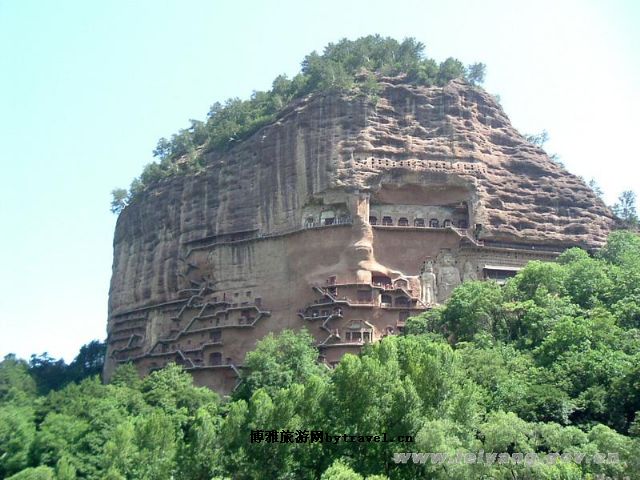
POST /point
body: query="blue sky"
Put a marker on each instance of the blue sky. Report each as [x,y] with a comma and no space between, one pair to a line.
[87,89]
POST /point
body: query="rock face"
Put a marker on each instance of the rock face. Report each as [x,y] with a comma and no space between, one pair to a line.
[344,216]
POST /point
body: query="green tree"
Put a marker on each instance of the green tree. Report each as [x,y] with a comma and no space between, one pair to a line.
[623,398]
[506,432]
[622,248]
[603,439]
[126,375]
[233,437]
[535,279]
[65,469]
[371,394]
[293,409]
[530,321]
[625,208]
[89,361]
[156,445]
[120,451]
[80,419]
[474,307]
[441,436]
[449,69]
[16,385]
[119,199]
[431,366]
[588,282]
[37,473]
[144,447]
[476,72]
[59,435]
[429,321]
[278,361]
[512,382]
[17,433]
[171,389]
[593,185]
[340,471]
[538,139]
[163,149]
[48,372]
[198,455]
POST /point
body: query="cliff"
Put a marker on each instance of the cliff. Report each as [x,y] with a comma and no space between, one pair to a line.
[400,180]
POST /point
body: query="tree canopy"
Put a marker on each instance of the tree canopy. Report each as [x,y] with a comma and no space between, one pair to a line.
[625,208]
[548,363]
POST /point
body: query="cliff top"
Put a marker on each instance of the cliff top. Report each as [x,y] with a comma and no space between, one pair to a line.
[355,67]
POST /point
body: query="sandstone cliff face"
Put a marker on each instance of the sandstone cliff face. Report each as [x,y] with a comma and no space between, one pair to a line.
[332,142]
[248,223]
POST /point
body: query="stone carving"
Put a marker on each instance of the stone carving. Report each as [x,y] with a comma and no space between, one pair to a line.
[448,276]
[358,256]
[429,287]
[469,272]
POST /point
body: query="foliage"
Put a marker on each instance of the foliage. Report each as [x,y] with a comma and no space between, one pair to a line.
[17,433]
[16,385]
[352,67]
[37,473]
[473,309]
[278,362]
[51,374]
[622,249]
[548,363]
[119,200]
[539,140]
[625,208]
[340,471]
[593,185]
[476,73]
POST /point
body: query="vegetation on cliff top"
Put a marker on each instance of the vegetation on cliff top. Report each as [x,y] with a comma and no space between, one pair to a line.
[548,363]
[349,65]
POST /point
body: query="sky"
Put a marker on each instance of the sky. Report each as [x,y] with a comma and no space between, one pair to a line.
[88,88]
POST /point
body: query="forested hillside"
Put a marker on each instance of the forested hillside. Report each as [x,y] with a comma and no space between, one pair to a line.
[548,363]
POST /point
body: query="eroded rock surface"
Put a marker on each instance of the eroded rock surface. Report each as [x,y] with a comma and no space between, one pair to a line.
[338,217]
